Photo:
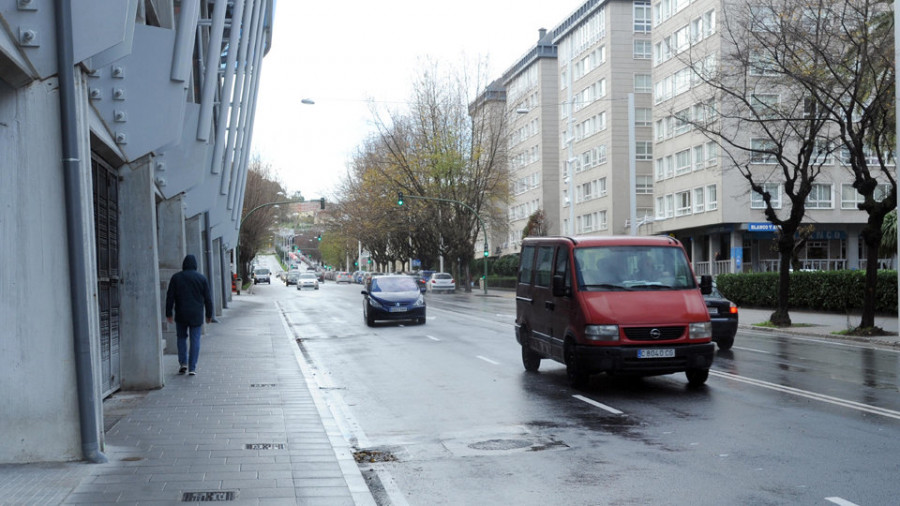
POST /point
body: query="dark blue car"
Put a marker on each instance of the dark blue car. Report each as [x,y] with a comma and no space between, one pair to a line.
[393,298]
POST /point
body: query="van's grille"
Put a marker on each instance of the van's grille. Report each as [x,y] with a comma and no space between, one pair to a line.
[648,334]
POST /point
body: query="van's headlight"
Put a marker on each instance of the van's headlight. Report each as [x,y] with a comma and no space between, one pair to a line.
[702,330]
[601,332]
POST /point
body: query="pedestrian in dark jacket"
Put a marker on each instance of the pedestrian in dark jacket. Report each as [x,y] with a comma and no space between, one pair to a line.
[189,296]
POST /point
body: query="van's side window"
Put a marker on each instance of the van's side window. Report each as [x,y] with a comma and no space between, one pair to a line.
[526,265]
[544,266]
[562,265]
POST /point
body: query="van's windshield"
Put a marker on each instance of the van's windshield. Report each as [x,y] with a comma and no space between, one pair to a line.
[632,268]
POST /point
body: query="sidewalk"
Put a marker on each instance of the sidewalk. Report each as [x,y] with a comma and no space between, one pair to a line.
[248,429]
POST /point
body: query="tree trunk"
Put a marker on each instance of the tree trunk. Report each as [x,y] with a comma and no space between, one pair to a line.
[871,235]
[468,278]
[781,318]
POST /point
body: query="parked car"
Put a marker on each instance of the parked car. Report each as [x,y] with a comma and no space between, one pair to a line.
[441,282]
[623,305]
[343,277]
[724,317]
[307,280]
[320,275]
[394,298]
[262,275]
[291,277]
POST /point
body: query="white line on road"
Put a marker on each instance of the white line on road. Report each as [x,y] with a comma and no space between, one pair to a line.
[753,350]
[487,360]
[875,410]
[600,405]
[433,338]
[841,502]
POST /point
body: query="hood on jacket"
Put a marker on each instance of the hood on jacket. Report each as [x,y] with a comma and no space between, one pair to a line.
[190,263]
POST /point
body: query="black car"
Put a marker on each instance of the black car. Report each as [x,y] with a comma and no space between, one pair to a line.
[395,298]
[724,316]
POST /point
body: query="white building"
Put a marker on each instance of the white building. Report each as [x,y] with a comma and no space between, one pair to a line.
[124,134]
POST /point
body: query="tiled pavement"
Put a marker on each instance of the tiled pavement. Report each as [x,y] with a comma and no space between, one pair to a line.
[247,429]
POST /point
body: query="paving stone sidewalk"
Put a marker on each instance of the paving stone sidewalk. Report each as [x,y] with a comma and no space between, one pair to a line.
[246,430]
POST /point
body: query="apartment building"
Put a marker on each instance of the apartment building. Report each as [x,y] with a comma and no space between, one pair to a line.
[608,51]
[700,195]
[532,106]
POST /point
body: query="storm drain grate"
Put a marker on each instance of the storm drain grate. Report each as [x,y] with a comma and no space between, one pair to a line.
[261,385]
[216,495]
[264,446]
[500,444]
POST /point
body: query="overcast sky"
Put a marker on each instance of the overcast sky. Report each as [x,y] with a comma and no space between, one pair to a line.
[342,53]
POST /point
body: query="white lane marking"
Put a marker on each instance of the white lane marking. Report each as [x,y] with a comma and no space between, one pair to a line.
[600,405]
[487,360]
[840,501]
[875,410]
[753,350]
[433,338]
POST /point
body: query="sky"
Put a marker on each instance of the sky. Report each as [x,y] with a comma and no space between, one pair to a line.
[344,54]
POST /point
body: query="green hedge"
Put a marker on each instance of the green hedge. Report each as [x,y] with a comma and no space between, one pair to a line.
[840,291]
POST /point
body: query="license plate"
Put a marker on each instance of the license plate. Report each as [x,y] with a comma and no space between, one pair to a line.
[398,309]
[656,353]
[713,310]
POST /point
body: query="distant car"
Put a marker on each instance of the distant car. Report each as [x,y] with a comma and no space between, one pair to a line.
[307,280]
[291,277]
[441,282]
[724,317]
[394,298]
[262,275]
[343,277]
[320,275]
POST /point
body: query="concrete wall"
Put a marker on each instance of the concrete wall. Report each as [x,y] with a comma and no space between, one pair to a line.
[171,248]
[141,322]
[39,414]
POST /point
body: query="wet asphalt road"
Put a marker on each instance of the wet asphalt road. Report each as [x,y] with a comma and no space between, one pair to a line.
[449,415]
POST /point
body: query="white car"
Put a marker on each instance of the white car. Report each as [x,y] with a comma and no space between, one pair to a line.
[307,280]
[441,282]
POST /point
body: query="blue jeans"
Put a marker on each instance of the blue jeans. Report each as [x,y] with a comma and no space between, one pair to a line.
[181,332]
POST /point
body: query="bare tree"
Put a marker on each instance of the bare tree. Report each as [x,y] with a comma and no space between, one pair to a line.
[261,188]
[853,84]
[765,123]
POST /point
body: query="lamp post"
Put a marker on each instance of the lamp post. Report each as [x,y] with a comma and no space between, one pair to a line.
[400,197]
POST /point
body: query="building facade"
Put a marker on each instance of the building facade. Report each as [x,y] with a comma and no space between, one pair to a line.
[124,135]
[629,160]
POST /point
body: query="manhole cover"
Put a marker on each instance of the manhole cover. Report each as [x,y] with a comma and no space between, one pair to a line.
[500,444]
[218,495]
[264,446]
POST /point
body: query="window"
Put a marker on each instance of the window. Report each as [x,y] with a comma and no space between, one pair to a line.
[544,266]
[643,50]
[763,19]
[712,153]
[526,265]
[711,200]
[764,105]
[698,200]
[824,152]
[850,197]
[643,83]
[699,159]
[683,161]
[643,116]
[644,185]
[774,191]
[643,150]
[682,121]
[670,205]
[562,265]
[819,197]
[763,151]
[683,203]
[762,64]
[642,16]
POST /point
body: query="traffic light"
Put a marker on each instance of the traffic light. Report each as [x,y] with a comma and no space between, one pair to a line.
[322,203]
[486,253]
[399,198]
[319,237]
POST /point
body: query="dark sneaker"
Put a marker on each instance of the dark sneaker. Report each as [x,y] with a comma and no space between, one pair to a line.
[182,369]
[192,373]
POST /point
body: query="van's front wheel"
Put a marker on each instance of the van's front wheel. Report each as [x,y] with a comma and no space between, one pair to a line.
[530,359]
[577,377]
[697,377]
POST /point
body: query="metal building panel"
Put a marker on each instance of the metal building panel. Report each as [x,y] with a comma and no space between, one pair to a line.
[180,166]
[136,99]
[99,25]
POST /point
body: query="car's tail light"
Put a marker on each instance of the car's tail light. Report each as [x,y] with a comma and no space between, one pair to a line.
[733,309]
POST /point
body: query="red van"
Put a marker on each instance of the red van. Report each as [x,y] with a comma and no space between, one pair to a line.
[620,304]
